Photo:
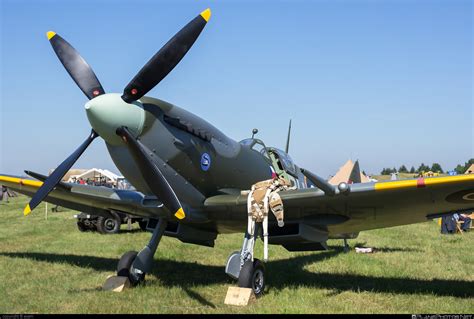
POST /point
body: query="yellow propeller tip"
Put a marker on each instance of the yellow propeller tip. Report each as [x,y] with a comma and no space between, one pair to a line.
[180,214]
[206,14]
[50,34]
[27,210]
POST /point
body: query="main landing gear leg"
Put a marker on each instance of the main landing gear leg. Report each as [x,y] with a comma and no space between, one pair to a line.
[241,265]
[135,265]
[252,272]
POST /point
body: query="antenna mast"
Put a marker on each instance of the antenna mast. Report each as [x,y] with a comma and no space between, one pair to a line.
[288,139]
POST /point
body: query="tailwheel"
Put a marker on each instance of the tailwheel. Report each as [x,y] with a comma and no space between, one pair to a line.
[124,268]
[252,275]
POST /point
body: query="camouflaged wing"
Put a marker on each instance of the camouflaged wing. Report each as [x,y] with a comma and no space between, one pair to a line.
[96,200]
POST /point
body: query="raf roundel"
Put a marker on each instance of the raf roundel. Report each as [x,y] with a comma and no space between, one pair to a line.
[461,197]
[205,162]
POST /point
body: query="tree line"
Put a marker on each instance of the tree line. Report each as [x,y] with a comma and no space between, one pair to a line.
[435,167]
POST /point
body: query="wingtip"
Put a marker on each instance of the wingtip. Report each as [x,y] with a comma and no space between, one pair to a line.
[180,214]
[27,210]
[50,34]
[206,14]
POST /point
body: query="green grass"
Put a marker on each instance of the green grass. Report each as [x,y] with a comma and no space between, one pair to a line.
[48,266]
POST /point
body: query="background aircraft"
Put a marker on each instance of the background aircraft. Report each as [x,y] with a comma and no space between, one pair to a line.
[189,176]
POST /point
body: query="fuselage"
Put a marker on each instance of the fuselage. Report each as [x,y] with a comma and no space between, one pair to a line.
[197,159]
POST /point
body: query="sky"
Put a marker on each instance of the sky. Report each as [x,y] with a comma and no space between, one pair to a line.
[384,82]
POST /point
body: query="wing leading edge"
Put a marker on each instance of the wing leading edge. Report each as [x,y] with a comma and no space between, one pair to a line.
[367,205]
[91,199]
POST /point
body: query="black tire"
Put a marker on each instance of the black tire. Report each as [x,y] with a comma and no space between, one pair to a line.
[142,224]
[125,262]
[108,225]
[82,226]
[123,268]
[252,275]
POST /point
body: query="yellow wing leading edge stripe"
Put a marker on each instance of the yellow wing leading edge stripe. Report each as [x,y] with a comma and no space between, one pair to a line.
[16,180]
[423,182]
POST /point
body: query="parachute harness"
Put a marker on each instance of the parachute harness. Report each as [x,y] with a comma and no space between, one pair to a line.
[263,197]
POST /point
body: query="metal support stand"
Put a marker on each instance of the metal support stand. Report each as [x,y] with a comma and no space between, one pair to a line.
[144,260]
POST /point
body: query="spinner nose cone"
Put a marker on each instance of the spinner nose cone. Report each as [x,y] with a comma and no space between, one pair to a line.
[108,112]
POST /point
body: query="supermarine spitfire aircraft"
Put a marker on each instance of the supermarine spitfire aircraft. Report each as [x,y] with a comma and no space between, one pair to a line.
[189,176]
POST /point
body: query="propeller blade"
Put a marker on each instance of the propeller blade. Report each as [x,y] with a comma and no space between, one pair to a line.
[152,174]
[58,174]
[76,66]
[165,59]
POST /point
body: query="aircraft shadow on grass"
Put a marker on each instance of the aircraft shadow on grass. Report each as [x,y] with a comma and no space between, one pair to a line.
[379,249]
[285,273]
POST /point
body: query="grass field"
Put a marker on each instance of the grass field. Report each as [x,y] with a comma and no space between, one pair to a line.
[48,266]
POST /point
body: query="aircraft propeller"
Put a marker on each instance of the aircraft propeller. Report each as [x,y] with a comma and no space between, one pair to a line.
[152,174]
[148,77]
[165,59]
[76,66]
[57,175]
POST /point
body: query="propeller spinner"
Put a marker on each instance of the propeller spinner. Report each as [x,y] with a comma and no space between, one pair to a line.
[102,109]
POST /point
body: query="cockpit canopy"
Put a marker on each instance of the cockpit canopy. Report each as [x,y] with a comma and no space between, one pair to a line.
[280,160]
[256,145]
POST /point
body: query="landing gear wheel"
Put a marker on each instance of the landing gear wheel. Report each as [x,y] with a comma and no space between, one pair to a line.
[124,265]
[108,225]
[252,275]
[82,226]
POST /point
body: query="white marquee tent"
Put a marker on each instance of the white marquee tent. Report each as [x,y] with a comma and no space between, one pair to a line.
[97,175]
